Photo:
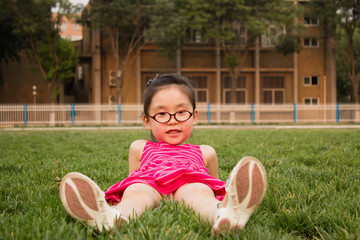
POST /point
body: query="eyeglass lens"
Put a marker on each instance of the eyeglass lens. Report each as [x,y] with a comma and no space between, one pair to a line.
[179,116]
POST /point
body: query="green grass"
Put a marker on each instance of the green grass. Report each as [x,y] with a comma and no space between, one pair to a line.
[313,183]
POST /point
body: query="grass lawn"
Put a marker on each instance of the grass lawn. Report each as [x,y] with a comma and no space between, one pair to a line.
[313,183]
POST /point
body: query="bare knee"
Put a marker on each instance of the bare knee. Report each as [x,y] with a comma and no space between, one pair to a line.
[191,190]
[141,192]
[200,198]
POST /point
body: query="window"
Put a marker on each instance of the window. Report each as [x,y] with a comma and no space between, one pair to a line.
[311,21]
[63,27]
[200,84]
[311,101]
[76,27]
[242,36]
[270,39]
[194,36]
[273,89]
[311,42]
[80,77]
[311,81]
[241,33]
[240,90]
[273,96]
[80,73]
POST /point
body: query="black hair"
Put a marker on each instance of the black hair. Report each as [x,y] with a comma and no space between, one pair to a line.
[154,85]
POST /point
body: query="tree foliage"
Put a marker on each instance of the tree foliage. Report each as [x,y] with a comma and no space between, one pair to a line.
[10,43]
[220,20]
[168,26]
[341,19]
[34,23]
[349,26]
[348,65]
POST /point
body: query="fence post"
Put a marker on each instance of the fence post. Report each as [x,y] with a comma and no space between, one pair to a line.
[208,113]
[337,113]
[252,113]
[25,114]
[295,113]
[72,114]
[119,113]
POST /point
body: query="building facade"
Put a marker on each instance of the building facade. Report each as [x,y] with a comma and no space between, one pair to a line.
[267,77]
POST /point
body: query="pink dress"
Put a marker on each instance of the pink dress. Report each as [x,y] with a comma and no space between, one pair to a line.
[167,167]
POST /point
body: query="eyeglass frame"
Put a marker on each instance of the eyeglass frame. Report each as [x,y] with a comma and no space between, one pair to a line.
[172,115]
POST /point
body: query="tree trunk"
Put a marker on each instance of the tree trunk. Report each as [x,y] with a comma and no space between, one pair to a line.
[50,93]
[351,64]
[52,85]
[356,91]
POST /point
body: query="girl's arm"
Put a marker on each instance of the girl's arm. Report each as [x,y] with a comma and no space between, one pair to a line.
[135,152]
[210,160]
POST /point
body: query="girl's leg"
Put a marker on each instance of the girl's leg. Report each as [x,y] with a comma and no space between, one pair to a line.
[136,199]
[200,198]
[244,191]
[85,201]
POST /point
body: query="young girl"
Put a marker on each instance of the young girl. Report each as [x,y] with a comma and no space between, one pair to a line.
[168,167]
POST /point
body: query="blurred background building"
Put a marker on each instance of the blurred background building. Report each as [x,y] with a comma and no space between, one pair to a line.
[267,76]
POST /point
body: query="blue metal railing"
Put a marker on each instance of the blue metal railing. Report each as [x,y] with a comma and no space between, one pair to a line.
[29,114]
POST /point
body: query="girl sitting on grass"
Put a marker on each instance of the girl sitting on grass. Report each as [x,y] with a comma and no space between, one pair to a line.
[168,167]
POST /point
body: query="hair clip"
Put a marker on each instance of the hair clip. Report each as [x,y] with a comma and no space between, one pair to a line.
[148,83]
[151,80]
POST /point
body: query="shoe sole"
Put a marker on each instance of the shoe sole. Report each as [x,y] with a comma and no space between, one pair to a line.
[84,201]
[246,188]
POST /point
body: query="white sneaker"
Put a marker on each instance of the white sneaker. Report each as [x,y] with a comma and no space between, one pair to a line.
[245,190]
[84,200]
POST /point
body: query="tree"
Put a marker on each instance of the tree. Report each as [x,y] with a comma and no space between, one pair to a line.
[10,43]
[224,21]
[348,63]
[344,89]
[124,22]
[341,20]
[349,27]
[33,22]
[168,25]
[56,69]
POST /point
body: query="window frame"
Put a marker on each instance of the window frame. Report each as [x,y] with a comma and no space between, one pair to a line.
[192,78]
[241,33]
[197,90]
[311,42]
[270,40]
[76,27]
[273,89]
[194,36]
[237,89]
[64,26]
[311,81]
[311,22]
[228,90]
[311,101]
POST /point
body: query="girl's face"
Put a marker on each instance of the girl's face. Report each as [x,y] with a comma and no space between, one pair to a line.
[170,99]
